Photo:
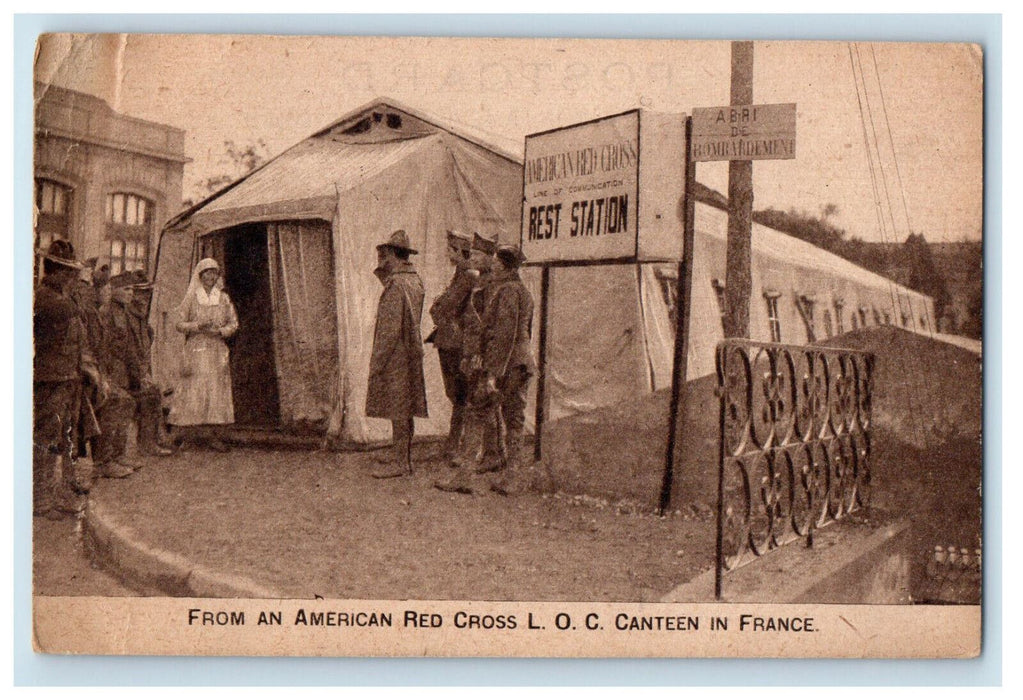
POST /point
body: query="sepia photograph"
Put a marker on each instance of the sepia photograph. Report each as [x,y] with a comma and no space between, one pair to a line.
[398,346]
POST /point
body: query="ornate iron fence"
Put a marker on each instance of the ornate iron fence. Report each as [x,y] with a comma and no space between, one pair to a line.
[794,444]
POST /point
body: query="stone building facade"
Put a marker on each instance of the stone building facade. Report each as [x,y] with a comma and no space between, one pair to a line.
[103,180]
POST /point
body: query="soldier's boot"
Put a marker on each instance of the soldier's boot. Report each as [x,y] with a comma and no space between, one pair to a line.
[148,438]
[492,463]
[454,439]
[177,436]
[512,481]
[470,444]
[113,470]
[130,462]
[401,464]
[459,482]
[495,450]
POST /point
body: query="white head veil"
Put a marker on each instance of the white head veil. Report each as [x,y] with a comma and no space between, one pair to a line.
[195,284]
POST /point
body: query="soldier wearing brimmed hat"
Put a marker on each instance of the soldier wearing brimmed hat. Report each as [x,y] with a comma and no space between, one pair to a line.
[480,409]
[446,313]
[397,387]
[508,364]
[62,363]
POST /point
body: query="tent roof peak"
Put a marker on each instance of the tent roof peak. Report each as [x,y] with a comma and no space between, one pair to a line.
[378,109]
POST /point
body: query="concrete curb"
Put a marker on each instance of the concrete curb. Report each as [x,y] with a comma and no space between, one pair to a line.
[795,574]
[115,548]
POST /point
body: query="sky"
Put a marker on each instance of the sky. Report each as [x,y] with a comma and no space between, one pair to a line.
[923,104]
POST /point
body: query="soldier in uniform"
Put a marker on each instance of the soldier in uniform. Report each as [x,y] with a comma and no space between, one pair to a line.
[480,413]
[147,395]
[61,364]
[122,365]
[85,297]
[397,387]
[86,300]
[446,313]
[508,362]
[100,281]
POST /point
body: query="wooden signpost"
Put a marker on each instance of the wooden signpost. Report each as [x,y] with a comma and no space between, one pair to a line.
[607,156]
[739,133]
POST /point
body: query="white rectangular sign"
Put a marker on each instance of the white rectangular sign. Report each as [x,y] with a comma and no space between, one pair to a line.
[582,186]
[580,191]
[745,132]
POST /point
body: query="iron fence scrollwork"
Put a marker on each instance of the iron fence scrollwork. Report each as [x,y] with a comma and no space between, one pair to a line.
[794,444]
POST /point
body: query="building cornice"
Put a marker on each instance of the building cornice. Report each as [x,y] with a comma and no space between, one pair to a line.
[51,132]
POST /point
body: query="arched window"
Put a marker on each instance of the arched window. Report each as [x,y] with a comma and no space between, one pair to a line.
[53,212]
[129,222]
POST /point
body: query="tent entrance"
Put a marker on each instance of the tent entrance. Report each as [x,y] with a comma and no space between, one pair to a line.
[284,358]
[253,361]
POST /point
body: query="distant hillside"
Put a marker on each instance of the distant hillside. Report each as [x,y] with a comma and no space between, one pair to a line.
[950,273]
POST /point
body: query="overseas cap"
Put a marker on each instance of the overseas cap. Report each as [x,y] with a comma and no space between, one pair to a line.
[459,240]
[511,255]
[484,245]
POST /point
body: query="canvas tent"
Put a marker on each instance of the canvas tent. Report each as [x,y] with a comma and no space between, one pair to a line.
[297,240]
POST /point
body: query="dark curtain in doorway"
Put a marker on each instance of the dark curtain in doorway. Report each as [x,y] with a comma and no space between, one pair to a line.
[302,290]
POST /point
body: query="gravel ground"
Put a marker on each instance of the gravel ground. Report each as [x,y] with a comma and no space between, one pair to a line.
[316,523]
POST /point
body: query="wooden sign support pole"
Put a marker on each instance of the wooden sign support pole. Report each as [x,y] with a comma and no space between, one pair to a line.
[683,296]
[738,275]
[541,370]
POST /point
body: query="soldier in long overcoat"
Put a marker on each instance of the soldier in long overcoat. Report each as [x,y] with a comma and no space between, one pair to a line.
[446,312]
[62,363]
[397,387]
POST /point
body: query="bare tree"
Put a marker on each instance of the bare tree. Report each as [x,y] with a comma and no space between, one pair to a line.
[236,162]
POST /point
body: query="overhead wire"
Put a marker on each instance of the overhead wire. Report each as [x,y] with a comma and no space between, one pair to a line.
[929,327]
[882,229]
[896,290]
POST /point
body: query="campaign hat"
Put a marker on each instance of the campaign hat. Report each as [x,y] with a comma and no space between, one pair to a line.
[61,251]
[399,241]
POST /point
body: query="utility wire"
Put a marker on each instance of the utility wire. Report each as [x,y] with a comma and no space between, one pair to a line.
[895,159]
